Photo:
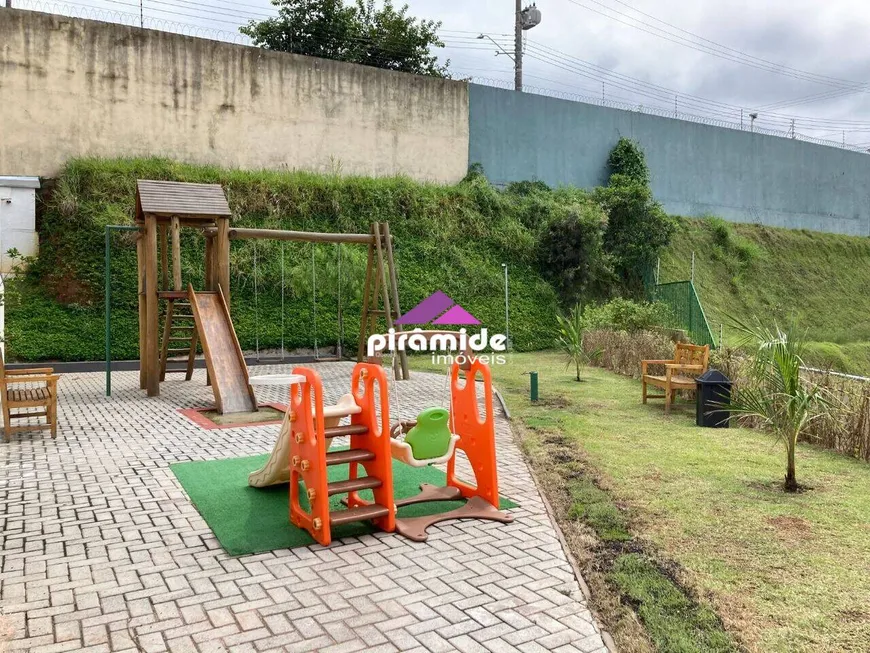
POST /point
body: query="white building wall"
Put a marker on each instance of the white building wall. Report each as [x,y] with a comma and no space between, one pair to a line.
[17,219]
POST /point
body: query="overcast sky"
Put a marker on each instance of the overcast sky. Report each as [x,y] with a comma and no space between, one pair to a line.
[575,49]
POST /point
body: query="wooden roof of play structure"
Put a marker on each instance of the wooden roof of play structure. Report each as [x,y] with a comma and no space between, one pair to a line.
[193,202]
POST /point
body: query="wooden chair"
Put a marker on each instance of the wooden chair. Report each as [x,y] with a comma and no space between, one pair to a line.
[42,393]
[688,359]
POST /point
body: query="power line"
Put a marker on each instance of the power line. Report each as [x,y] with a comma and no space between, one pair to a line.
[593,71]
[735,50]
[723,52]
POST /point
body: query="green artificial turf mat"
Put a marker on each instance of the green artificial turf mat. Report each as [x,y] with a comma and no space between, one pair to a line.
[252,520]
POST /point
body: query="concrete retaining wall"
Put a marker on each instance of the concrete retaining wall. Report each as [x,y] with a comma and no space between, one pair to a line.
[71,87]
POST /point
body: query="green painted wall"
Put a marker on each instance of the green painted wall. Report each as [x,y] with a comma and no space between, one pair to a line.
[696,169]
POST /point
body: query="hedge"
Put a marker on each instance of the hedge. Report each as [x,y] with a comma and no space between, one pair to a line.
[450,238]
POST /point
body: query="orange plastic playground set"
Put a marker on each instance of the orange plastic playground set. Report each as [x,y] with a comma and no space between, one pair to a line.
[372,449]
[301,455]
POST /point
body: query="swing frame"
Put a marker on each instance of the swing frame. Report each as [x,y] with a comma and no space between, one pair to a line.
[277,360]
[381,290]
[164,207]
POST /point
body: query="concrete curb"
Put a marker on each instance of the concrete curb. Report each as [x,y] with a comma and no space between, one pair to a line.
[584,588]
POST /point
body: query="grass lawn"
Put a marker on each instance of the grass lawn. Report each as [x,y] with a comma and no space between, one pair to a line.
[784,572]
[751,270]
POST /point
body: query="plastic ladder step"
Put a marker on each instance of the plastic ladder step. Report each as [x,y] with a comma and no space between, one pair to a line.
[352,429]
[361,513]
[353,485]
[348,456]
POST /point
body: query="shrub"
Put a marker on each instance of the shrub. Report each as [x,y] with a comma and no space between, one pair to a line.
[571,256]
[627,159]
[527,187]
[570,339]
[450,238]
[637,229]
[625,315]
[622,352]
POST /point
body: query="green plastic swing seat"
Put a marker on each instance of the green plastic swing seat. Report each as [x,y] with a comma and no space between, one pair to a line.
[430,438]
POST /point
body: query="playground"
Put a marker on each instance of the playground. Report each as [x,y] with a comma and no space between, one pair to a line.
[159,519]
[100,518]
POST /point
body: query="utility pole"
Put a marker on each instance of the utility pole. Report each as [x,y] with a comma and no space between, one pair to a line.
[518,46]
[523,19]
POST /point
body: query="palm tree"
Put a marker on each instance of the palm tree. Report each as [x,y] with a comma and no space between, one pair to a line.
[775,393]
[570,339]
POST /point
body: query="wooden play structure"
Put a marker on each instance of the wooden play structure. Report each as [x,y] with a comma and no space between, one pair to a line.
[688,362]
[372,449]
[40,393]
[194,317]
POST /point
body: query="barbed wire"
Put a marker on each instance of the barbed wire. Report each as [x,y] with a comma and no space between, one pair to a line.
[106,15]
[657,111]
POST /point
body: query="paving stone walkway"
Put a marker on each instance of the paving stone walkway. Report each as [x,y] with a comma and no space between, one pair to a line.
[102,551]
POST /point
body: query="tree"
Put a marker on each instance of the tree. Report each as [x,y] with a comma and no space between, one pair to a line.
[775,393]
[358,33]
[637,228]
[570,251]
[626,158]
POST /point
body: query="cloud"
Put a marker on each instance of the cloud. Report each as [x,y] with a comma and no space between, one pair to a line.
[822,38]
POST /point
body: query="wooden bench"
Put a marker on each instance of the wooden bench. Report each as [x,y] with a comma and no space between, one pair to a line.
[688,360]
[40,392]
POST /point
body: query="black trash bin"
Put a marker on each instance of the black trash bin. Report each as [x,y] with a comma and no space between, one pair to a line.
[712,392]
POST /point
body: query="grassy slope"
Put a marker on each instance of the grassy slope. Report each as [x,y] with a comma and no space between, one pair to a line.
[785,573]
[820,279]
[450,238]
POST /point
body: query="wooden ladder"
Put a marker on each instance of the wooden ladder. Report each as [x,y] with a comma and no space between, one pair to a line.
[180,337]
[381,287]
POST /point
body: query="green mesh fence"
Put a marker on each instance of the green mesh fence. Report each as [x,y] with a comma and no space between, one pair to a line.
[685,311]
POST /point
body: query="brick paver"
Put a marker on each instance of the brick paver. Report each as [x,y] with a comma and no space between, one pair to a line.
[102,551]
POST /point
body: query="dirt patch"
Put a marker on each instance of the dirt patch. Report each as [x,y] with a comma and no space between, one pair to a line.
[791,527]
[265,414]
[566,477]
[209,418]
[853,616]
[556,464]
[777,487]
[554,402]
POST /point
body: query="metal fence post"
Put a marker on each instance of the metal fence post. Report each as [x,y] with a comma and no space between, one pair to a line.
[107,282]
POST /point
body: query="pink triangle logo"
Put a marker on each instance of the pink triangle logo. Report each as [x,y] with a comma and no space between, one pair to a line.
[456,315]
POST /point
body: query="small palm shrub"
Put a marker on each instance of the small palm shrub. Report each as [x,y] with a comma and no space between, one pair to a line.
[775,394]
[570,339]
